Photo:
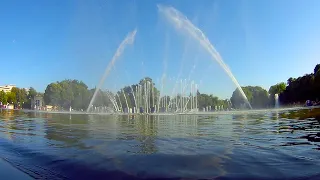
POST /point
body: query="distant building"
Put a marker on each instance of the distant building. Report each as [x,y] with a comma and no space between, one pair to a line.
[37,103]
[7,88]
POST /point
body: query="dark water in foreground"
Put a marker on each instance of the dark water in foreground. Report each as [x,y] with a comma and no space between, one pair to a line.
[266,145]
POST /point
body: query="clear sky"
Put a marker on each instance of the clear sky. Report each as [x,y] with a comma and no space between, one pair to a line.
[263,42]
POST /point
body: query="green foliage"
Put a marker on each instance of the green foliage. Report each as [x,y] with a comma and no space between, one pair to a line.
[21,95]
[17,97]
[256,95]
[237,100]
[276,89]
[3,97]
[52,94]
[12,98]
[317,85]
[302,88]
[76,94]
[316,69]
[32,93]
[205,100]
[68,93]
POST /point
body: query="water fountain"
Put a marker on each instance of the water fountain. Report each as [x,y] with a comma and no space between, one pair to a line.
[128,40]
[181,22]
[276,100]
[144,98]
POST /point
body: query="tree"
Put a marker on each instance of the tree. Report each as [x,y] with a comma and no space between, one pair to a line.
[276,89]
[303,88]
[32,93]
[81,95]
[52,95]
[3,97]
[205,100]
[317,84]
[238,100]
[17,96]
[28,96]
[256,95]
[316,69]
[290,80]
[260,97]
[12,97]
[23,95]
[68,93]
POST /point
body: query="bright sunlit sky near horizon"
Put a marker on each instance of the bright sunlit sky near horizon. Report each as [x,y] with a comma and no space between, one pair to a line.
[263,42]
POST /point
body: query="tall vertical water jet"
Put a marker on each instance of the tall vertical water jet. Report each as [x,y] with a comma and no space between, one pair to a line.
[276,101]
[125,98]
[128,40]
[181,22]
[121,108]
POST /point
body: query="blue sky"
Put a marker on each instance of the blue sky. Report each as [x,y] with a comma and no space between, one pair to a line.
[263,42]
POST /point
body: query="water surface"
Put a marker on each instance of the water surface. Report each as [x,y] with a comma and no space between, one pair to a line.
[264,145]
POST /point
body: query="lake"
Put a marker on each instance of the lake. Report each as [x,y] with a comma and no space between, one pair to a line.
[243,145]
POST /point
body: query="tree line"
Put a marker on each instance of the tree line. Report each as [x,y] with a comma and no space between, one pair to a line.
[76,94]
[19,97]
[295,91]
[303,88]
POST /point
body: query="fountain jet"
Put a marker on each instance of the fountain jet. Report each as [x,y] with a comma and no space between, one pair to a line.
[181,22]
[128,40]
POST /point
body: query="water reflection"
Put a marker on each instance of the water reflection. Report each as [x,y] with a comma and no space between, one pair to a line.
[202,146]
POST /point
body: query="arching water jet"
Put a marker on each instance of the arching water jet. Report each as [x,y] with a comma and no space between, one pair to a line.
[182,23]
[128,40]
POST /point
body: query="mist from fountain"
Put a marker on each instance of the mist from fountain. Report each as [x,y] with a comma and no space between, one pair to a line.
[181,23]
[127,41]
[276,100]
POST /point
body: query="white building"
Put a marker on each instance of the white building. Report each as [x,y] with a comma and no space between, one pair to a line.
[7,88]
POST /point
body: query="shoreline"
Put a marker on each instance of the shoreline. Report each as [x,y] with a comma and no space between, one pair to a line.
[175,114]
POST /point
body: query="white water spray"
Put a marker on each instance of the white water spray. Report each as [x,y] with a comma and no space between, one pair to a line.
[276,100]
[128,40]
[181,22]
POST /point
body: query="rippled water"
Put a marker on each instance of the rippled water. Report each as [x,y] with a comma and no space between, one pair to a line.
[265,145]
